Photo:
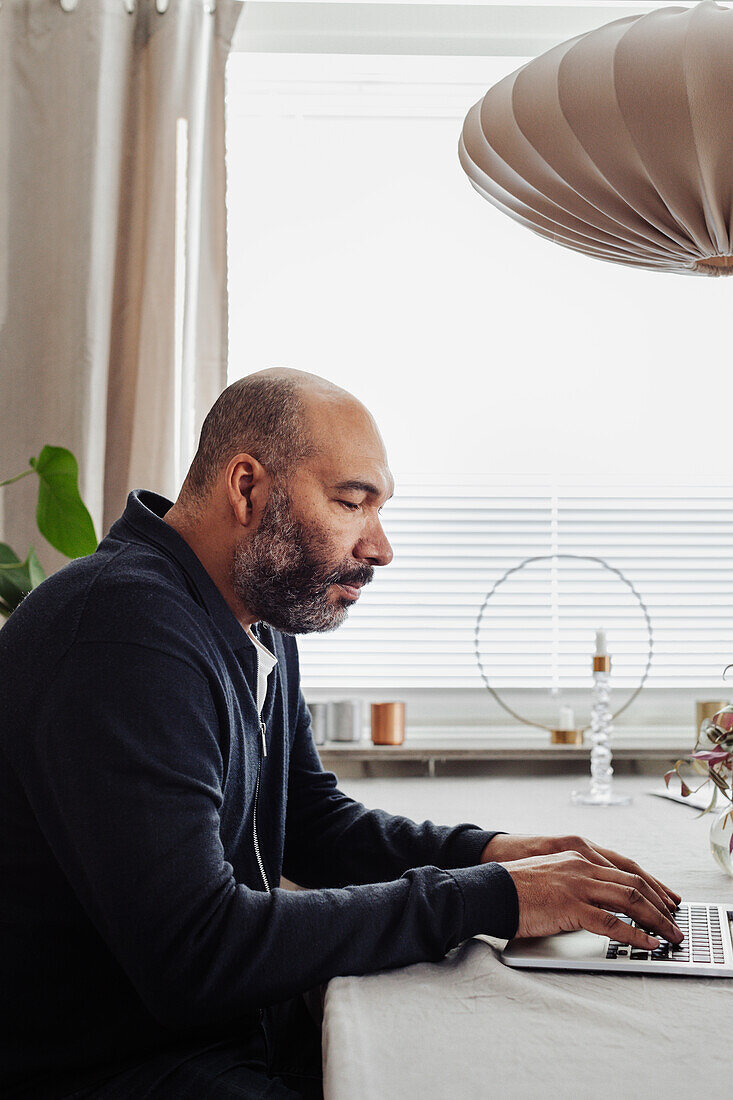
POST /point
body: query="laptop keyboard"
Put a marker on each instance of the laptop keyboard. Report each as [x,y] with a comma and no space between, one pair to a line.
[703,942]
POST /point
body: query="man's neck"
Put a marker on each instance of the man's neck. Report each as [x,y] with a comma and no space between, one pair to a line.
[214,556]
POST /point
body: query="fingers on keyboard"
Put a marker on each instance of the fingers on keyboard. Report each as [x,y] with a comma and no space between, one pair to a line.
[608,924]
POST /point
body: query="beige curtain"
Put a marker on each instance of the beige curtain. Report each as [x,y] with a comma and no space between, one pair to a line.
[113,303]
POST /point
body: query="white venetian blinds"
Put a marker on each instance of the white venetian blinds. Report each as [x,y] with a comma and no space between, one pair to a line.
[414,625]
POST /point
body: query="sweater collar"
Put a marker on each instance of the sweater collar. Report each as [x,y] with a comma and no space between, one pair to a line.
[143,516]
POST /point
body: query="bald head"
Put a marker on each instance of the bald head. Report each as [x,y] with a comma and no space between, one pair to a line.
[279,416]
[282,501]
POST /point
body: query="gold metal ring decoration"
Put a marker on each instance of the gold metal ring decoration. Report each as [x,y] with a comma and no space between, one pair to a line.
[555,557]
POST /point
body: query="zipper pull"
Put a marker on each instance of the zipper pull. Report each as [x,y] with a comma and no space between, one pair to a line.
[263,735]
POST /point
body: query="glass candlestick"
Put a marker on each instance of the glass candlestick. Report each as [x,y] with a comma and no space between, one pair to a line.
[600,792]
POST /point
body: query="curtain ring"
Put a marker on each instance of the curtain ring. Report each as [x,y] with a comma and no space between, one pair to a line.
[130,6]
[68,5]
[161,6]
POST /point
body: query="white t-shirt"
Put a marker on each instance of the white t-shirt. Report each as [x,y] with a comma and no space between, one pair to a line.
[266,661]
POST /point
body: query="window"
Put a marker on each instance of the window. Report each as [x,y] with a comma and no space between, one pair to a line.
[532,400]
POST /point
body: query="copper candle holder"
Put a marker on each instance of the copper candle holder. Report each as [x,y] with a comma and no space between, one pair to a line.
[388,723]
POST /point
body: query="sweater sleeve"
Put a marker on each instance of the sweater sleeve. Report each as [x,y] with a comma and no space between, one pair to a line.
[133,822]
[332,840]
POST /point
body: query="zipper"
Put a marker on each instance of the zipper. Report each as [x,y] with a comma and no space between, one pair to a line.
[255,838]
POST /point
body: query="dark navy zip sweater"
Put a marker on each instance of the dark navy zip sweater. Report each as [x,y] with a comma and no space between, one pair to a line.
[133,911]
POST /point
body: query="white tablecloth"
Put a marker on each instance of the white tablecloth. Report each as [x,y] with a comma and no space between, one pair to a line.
[469,1027]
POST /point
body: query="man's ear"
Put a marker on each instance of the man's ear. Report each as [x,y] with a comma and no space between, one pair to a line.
[248,486]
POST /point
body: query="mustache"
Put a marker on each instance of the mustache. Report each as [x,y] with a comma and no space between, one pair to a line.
[361,576]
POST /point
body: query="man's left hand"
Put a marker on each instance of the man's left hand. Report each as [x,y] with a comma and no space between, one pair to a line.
[505,847]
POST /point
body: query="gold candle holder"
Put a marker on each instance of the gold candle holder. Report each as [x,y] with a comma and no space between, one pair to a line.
[566,737]
[388,723]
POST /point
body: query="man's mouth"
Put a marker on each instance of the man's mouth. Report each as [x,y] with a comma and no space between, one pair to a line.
[350,590]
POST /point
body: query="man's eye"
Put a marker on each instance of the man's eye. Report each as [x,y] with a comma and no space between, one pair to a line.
[348,504]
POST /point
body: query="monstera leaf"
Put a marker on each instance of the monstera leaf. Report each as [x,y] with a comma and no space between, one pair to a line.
[61,515]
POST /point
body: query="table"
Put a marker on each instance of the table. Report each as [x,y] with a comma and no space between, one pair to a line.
[469,1027]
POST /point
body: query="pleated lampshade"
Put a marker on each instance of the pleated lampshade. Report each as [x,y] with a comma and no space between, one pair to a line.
[619,143]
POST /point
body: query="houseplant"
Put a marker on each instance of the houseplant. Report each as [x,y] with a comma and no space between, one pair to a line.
[712,761]
[61,517]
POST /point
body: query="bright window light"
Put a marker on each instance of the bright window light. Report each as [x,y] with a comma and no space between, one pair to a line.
[495,363]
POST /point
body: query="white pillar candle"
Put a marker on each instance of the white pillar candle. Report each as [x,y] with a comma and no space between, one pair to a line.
[601,646]
[567,719]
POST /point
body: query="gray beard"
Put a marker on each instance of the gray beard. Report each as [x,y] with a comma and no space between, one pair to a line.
[282,574]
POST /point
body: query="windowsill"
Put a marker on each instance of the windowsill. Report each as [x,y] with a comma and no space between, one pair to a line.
[530,746]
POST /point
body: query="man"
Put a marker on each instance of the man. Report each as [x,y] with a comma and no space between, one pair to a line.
[159,774]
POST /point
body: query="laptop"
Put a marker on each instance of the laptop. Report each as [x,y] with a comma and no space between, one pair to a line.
[705,952]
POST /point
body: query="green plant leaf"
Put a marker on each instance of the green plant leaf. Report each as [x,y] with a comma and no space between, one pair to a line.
[12,589]
[35,569]
[711,803]
[8,556]
[61,515]
[719,782]
[17,577]
[9,595]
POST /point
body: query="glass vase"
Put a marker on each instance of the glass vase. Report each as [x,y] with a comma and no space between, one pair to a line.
[721,832]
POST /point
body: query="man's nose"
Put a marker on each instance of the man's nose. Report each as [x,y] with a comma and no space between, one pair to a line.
[375,546]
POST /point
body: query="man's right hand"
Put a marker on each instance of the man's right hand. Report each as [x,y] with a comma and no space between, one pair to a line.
[565,892]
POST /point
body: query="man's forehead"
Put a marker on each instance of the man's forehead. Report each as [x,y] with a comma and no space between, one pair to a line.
[349,451]
[341,473]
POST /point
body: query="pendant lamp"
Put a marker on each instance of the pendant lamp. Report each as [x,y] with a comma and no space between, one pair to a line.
[619,143]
